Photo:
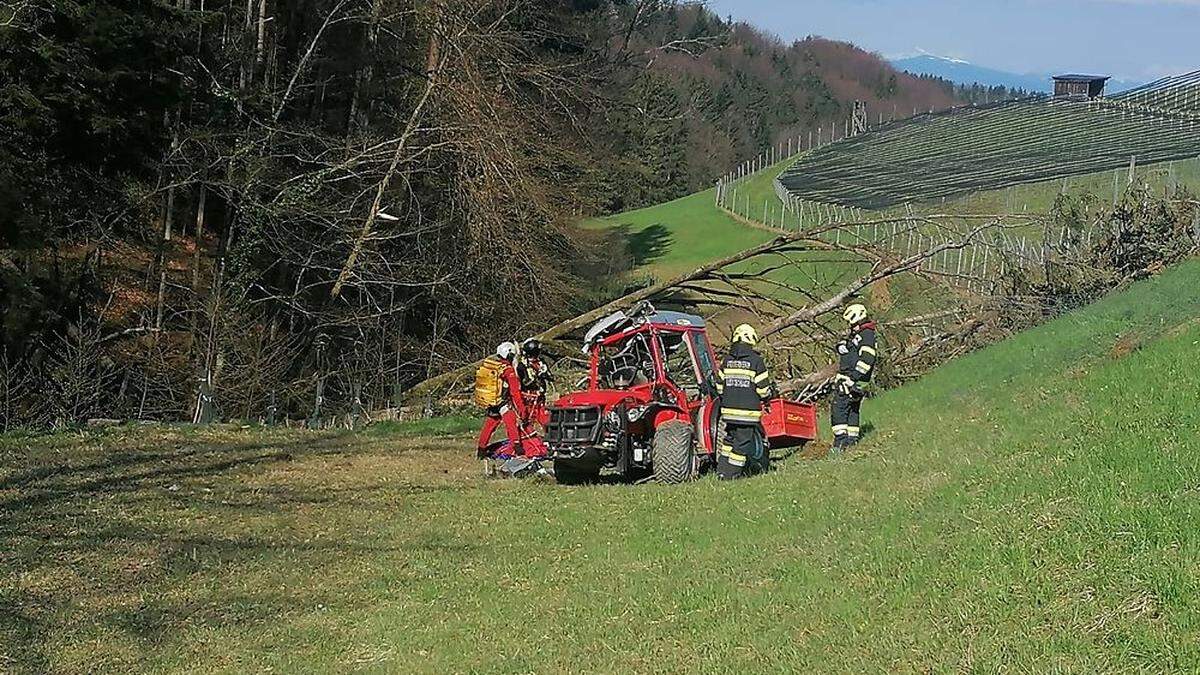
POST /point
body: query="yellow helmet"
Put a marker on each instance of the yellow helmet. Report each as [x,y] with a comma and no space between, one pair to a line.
[855,314]
[745,333]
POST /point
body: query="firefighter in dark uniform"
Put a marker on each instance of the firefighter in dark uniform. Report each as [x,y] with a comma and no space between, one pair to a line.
[856,364]
[744,384]
[535,380]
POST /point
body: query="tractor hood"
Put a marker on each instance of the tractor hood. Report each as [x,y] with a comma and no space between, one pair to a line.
[605,398]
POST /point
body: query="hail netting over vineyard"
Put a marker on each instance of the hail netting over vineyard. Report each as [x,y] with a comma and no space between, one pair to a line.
[962,150]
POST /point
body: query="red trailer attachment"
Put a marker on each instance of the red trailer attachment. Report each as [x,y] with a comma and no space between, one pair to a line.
[789,424]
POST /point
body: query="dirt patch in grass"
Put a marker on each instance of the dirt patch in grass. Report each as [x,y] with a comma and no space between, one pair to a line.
[1183,328]
[1125,345]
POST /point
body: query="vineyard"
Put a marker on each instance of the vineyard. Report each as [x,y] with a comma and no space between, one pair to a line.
[962,150]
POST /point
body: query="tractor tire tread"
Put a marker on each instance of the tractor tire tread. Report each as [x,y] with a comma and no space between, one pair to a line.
[674,453]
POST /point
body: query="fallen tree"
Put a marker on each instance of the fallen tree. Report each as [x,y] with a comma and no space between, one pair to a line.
[756,281]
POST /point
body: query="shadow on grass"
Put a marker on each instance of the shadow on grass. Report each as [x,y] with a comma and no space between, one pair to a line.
[649,244]
[102,520]
[629,249]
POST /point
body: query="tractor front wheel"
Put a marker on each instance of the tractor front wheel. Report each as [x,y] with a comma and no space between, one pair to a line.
[674,453]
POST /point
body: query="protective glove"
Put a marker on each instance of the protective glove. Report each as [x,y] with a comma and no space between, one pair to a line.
[842,348]
[845,385]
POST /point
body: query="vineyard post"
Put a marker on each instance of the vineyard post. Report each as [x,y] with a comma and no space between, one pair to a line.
[987,250]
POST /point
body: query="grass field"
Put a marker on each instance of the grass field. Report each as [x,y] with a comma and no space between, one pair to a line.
[1029,507]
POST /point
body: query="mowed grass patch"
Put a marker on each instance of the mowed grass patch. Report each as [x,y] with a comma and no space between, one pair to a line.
[1028,507]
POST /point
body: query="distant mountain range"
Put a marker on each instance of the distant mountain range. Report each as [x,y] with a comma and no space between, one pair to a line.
[962,72]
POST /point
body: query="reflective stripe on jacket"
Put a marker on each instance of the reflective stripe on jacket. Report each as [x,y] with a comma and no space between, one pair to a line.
[858,359]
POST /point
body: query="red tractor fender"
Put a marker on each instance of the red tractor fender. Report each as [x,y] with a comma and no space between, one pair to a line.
[665,414]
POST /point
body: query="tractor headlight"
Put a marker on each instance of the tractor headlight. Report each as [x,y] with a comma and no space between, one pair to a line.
[635,414]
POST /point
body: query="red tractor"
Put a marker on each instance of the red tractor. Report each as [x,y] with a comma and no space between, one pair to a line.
[650,405]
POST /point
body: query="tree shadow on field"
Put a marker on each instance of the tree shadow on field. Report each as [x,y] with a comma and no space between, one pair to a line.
[128,536]
[620,249]
[649,244]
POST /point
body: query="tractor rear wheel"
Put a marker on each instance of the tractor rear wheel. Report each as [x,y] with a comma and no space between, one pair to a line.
[674,453]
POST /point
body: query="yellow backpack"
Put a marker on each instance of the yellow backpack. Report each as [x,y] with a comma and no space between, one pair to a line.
[489,383]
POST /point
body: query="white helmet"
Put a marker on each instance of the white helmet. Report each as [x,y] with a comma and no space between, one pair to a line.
[506,350]
[745,333]
[855,314]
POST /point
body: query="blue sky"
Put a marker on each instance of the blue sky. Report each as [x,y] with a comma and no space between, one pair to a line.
[1132,39]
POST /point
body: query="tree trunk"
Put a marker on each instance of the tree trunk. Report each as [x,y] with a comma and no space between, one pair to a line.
[359,115]
[168,216]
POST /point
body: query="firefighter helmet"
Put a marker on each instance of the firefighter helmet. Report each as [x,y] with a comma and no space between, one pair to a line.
[745,333]
[506,350]
[532,347]
[855,314]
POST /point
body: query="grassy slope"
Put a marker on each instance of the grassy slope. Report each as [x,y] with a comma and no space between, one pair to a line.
[679,236]
[1030,506]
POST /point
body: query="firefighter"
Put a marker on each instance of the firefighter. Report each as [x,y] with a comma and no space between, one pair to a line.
[744,384]
[856,364]
[535,379]
[506,406]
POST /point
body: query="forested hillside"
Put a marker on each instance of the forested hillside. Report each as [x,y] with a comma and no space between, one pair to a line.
[279,202]
[723,92]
